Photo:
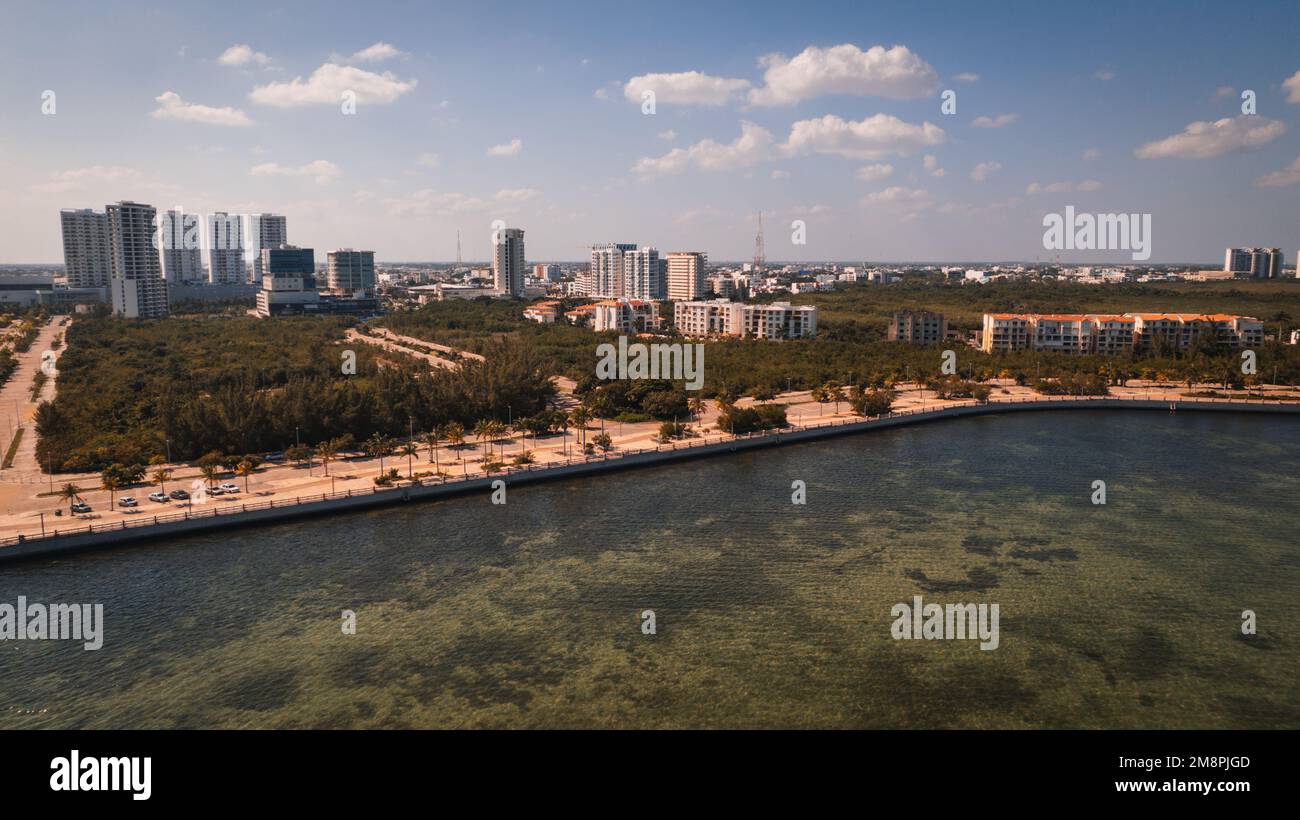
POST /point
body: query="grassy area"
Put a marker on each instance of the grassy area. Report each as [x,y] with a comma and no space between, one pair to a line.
[13,448]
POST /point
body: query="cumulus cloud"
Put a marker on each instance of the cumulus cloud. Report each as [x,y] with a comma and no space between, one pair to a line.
[931,165]
[172,107]
[895,73]
[752,146]
[517,194]
[875,172]
[873,138]
[1104,74]
[984,170]
[1091,153]
[1225,91]
[377,53]
[1289,175]
[242,54]
[323,171]
[967,77]
[685,88]
[908,201]
[1203,140]
[326,85]
[428,202]
[508,149]
[1292,87]
[994,122]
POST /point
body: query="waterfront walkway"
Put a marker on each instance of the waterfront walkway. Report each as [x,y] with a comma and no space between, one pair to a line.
[235,512]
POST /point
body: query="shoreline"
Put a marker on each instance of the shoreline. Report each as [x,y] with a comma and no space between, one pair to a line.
[93,536]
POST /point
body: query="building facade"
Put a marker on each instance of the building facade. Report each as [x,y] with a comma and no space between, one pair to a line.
[720,317]
[86,258]
[226,249]
[180,235]
[1113,335]
[352,272]
[917,327]
[508,262]
[136,284]
[686,275]
[265,231]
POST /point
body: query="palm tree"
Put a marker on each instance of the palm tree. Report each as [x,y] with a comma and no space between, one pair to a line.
[245,468]
[497,430]
[454,432]
[327,450]
[70,493]
[210,473]
[579,418]
[112,482]
[696,406]
[482,429]
[410,449]
[379,445]
[160,477]
[431,439]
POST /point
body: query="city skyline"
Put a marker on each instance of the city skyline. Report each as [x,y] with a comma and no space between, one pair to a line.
[805,117]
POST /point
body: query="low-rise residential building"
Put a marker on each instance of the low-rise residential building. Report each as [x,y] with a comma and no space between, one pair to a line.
[917,327]
[544,313]
[719,317]
[1113,334]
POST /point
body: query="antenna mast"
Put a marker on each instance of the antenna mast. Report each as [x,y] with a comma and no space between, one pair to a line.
[758,245]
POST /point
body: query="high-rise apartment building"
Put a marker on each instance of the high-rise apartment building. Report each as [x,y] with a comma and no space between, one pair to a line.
[643,274]
[180,237]
[226,249]
[605,279]
[1237,261]
[136,282]
[686,275]
[265,231]
[508,261]
[86,257]
[352,272]
[1257,263]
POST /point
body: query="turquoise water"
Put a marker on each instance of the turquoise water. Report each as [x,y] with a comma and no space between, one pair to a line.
[768,614]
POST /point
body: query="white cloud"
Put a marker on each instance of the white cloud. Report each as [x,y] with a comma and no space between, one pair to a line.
[873,138]
[323,171]
[601,94]
[1104,74]
[517,194]
[172,107]
[242,55]
[896,73]
[931,164]
[428,202]
[1277,179]
[685,88]
[1202,140]
[994,122]
[1091,154]
[984,170]
[779,174]
[78,179]
[508,149]
[967,77]
[1225,91]
[753,145]
[377,53]
[326,85]
[428,160]
[1062,187]
[669,135]
[1292,87]
[905,200]
[875,172]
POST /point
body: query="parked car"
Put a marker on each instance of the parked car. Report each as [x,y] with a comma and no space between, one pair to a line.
[161,498]
[229,488]
[214,491]
[127,501]
[80,507]
[178,495]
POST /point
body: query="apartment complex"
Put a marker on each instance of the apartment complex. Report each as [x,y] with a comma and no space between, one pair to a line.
[136,283]
[917,327]
[352,272]
[86,257]
[1257,263]
[1115,334]
[719,317]
[265,231]
[624,270]
[508,261]
[226,249]
[624,315]
[546,273]
[686,275]
[180,238]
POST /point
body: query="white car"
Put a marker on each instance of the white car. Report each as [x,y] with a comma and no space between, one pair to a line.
[229,488]
[127,501]
[161,498]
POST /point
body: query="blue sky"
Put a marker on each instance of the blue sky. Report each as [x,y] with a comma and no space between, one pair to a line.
[1093,105]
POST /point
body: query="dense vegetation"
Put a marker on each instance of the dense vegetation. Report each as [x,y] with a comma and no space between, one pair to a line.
[241,385]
